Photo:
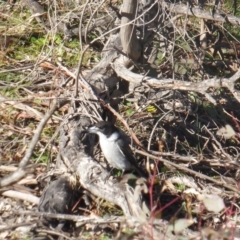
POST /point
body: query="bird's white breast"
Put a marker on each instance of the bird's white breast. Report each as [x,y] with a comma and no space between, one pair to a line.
[112,152]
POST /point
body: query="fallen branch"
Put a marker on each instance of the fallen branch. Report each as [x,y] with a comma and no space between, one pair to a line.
[91,175]
[189,171]
[23,196]
[200,87]
[21,172]
[199,13]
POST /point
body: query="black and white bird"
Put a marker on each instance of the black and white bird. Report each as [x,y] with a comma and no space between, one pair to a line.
[114,144]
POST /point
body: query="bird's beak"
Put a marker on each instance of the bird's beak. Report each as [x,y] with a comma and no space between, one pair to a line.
[93,129]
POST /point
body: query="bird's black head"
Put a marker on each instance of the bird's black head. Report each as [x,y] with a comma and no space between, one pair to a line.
[107,128]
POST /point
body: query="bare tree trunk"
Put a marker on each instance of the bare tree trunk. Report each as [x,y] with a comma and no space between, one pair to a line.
[128,37]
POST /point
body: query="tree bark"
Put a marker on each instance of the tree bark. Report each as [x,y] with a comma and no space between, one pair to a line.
[128,36]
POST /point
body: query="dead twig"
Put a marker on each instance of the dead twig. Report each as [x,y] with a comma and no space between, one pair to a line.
[120,118]
[21,172]
[200,87]
[3,229]
[22,196]
[187,170]
[54,233]
[199,13]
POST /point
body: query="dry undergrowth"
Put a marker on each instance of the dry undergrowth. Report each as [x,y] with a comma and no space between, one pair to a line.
[192,136]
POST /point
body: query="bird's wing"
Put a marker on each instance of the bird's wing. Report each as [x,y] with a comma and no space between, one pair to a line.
[124,147]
